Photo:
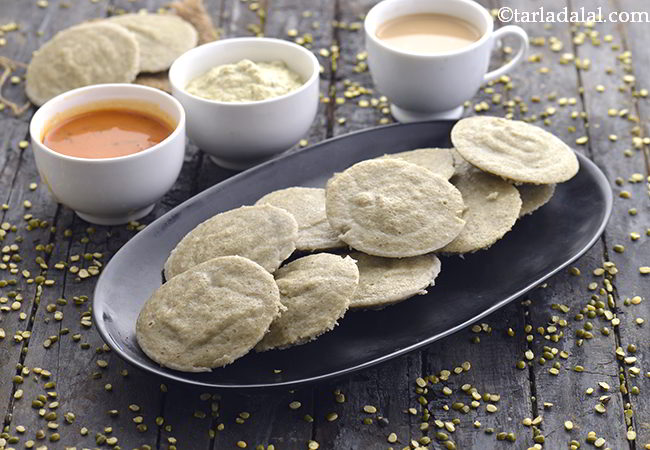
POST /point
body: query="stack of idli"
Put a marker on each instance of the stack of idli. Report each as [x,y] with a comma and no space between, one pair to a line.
[372,237]
[113,50]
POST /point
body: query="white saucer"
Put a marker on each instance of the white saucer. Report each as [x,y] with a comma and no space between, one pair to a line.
[405,116]
[116,220]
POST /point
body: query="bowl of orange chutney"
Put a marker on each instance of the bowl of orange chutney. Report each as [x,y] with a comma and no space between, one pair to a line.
[109,151]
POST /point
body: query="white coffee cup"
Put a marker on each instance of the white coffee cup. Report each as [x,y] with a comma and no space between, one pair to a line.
[434,86]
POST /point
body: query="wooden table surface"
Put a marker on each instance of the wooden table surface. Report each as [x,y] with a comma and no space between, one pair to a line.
[580,81]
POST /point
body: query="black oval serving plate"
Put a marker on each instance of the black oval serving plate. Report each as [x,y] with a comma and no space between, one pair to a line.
[467,289]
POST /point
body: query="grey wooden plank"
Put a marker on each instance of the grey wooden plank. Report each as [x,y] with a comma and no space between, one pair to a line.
[634,35]
[75,364]
[387,387]
[272,421]
[628,282]
[492,355]
[72,367]
[20,320]
[235,20]
[13,130]
[355,95]
[563,389]
[494,94]
[11,322]
[492,352]
[285,16]
[17,172]
[567,388]
[188,417]
[242,18]
[492,360]
[558,394]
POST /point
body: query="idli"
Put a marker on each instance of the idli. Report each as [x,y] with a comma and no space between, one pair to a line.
[162,38]
[316,291]
[385,281]
[93,53]
[514,150]
[209,315]
[264,234]
[307,205]
[391,208]
[438,160]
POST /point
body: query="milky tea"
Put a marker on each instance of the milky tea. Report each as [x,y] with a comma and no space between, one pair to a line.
[427,33]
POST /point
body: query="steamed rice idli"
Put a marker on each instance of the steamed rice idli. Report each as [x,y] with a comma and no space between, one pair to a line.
[385,281]
[392,208]
[209,315]
[514,150]
[93,53]
[162,38]
[263,233]
[534,196]
[438,160]
[307,205]
[492,207]
[316,291]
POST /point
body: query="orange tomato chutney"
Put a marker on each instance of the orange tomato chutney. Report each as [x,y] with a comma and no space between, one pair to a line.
[106,133]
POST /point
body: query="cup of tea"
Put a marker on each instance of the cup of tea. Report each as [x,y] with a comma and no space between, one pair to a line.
[429,57]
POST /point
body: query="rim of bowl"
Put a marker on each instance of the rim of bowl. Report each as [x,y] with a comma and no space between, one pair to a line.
[176,66]
[126,86]
[385,4]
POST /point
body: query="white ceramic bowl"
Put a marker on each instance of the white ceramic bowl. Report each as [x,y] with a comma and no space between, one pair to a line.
[117,190]
[240,135]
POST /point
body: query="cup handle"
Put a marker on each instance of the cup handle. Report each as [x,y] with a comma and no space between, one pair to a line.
[520,34]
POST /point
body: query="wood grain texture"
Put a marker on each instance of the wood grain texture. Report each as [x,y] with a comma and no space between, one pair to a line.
[633,36]
[609,137]
[562,389]
[481,349]
[17,172]
[603,151]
